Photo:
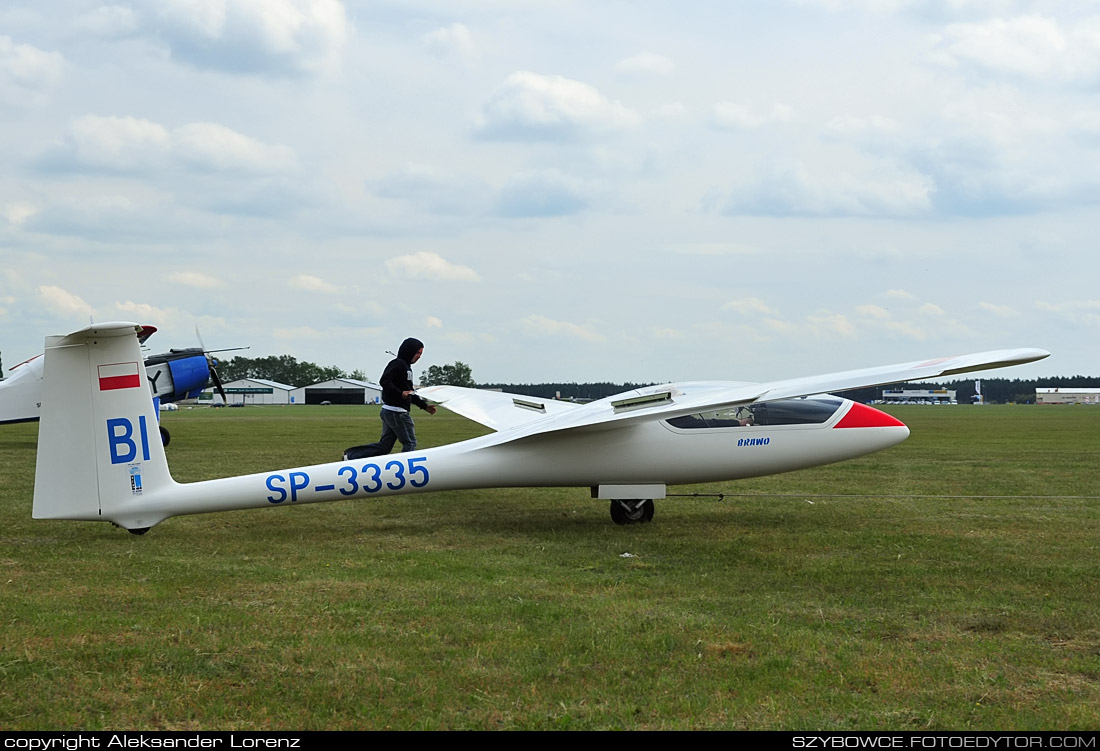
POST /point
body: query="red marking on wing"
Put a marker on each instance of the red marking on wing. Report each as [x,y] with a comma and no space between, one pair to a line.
[862,416]
[13,367]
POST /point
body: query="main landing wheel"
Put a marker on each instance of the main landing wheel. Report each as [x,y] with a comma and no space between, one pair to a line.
[165,437]
[631,512]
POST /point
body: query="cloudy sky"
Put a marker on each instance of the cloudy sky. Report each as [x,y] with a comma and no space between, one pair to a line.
[557,190]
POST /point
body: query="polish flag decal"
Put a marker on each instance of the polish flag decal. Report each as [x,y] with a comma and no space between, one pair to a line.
[119,375]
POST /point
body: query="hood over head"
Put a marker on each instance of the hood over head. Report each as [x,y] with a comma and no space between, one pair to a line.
[409,348]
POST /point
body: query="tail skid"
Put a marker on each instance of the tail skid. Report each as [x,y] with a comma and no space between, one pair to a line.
[100,457]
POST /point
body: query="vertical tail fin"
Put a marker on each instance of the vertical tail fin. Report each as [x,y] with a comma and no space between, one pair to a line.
[99,451]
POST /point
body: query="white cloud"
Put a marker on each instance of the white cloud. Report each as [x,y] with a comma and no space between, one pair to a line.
[544,193]
[908,320]
[863,128]
[876,312]
[667,333]
[435,190]
[28,75]
[427,265]
[146,313]
[1079,312]
[826,323]
[1033,46]
[210,146]
[298,334]
[102,215]
[63,302]
[451,41]
[646,63]
[195,279]
[713,249]
[310,283]
[530,106]
[787,187]
[875,320]
[541,326]
[130,143]
[735,116]
[18,212]
[1001,311]
[749,306]
[260,36]
[118,142]
[108,21]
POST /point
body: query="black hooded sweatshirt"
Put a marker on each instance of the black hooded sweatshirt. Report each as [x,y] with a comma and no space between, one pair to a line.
[397,377]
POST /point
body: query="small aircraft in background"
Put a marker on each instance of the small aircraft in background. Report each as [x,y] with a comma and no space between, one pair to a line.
[173,376]
[96,461]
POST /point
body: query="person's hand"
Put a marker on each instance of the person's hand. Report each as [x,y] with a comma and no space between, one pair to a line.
[431,409]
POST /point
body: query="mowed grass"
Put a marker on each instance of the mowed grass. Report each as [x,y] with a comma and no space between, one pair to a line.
[947,583]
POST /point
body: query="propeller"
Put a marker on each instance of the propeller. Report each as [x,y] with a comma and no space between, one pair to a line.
[216,379]
[211,362]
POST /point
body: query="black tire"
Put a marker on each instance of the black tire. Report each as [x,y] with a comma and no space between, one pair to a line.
[632,512]
[165,436]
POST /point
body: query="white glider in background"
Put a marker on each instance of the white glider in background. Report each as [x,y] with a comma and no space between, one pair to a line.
[21,392]
[172,376]
[96,461]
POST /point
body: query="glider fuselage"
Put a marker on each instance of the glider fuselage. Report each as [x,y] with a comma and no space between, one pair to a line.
[653,454]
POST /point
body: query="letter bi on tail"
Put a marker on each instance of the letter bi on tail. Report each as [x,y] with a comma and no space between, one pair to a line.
[98,460]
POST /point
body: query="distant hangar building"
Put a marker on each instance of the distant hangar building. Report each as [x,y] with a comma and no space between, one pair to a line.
[254,391]
[338,391]
[919,396]
[1067,396]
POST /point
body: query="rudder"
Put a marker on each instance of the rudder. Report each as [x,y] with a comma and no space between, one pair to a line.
[99,450]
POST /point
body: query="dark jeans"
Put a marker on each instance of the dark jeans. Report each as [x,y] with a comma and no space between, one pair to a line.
[396,426]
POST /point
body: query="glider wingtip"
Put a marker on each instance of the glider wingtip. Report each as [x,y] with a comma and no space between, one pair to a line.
[1002,358]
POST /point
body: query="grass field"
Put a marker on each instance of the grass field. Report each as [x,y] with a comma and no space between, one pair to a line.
[947,583]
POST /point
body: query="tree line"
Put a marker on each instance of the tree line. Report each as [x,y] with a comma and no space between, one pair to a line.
[581,392]
[281,369]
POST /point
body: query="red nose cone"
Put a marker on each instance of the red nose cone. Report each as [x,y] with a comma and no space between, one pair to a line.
[862,416]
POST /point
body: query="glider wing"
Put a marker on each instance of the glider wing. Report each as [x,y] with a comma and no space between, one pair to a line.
[501,412]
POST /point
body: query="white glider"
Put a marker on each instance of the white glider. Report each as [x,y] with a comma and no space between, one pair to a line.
[96,461]
[21,392]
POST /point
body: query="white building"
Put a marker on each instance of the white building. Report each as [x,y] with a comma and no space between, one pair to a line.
[338,391]
[1067,396]
[919,396]
[253,391]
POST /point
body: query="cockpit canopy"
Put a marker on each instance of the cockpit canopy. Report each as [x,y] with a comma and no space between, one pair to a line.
[808,410]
